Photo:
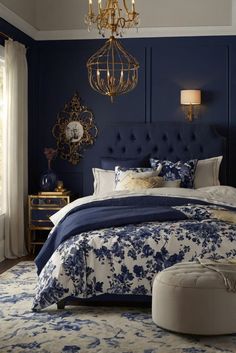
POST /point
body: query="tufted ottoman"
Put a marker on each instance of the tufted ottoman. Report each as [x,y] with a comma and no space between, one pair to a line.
[189,298]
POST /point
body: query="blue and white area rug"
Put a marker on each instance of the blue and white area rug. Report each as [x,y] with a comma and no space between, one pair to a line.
[86,329]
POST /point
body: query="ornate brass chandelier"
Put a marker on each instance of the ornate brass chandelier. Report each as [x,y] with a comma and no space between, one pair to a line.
[112,70]
[112,17]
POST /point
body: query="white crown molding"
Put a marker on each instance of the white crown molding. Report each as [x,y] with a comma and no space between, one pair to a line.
[141,33]
[17,21]
[31,31]
[67,34]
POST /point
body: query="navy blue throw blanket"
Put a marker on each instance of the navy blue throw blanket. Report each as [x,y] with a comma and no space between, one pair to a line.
[111,213]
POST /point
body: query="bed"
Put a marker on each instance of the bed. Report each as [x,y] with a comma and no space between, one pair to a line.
[112,244]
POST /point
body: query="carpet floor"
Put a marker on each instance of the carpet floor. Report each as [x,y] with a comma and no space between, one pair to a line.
[86,329]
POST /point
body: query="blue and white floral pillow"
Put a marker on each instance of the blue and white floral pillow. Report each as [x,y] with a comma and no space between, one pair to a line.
[122,173]
[184,171]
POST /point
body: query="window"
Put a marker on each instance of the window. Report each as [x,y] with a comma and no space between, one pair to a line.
[2,67]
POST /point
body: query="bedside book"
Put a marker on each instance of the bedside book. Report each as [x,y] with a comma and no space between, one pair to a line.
[54,193]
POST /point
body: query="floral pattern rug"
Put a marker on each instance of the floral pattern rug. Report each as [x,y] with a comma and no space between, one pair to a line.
[86,329]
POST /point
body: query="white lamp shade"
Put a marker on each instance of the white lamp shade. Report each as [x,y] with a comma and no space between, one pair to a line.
[190,96]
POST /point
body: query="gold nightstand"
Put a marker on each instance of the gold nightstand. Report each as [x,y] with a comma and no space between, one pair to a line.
[41,207]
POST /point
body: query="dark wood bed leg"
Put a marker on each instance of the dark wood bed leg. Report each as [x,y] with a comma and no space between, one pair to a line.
[61,304]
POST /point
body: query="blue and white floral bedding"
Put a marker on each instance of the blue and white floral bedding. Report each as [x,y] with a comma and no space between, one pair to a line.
[124,259]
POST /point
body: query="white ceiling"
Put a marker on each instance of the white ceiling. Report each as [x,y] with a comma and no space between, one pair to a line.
[59,19]
[23,8]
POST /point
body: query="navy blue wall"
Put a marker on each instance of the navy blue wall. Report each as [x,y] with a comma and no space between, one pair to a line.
[167,65]
[61,72]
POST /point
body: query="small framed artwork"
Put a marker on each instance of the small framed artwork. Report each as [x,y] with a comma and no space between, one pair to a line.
[74,130]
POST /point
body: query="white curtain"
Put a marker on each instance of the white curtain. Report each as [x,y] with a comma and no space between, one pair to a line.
[16,151]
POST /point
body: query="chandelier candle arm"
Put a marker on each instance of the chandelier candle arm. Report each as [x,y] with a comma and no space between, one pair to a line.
[90,7]
[99,7]
[133,6]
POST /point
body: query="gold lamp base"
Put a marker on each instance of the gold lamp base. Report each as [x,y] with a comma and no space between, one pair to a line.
[190,113]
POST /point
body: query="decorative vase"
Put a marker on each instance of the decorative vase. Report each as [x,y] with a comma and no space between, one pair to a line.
[48,180]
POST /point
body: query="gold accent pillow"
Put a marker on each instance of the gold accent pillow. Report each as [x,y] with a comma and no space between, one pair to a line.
[134,183]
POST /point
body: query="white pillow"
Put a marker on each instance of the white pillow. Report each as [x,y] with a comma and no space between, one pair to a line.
[207,172]
[104,181]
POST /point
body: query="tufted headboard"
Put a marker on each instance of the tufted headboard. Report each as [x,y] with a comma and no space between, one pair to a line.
[165,140]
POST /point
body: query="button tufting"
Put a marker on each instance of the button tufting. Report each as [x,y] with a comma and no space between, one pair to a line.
[179,137]
[110,150]
[148,138]
[171,150]
[164,138]
[123,149]
[132,137]
[155,149]
[139,150]
[118,137]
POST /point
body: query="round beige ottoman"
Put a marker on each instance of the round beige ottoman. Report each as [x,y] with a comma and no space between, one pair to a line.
[189,298]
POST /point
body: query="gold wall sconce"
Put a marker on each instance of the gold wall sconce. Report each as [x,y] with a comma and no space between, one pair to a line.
[190,98]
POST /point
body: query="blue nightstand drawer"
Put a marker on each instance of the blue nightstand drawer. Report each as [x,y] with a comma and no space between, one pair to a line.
[48,202]
[41,217]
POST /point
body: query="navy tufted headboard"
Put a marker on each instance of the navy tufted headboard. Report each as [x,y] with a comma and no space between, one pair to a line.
[173,141]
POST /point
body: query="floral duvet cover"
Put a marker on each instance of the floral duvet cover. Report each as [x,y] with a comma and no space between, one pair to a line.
[124,259]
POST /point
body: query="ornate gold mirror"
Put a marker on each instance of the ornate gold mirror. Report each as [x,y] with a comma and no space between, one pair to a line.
[74,130]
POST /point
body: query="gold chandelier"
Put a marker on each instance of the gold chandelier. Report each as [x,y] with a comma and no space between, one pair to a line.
[112,70]
[112,17]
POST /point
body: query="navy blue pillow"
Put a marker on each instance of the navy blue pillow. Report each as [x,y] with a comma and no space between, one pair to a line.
[184,171]
[111,163]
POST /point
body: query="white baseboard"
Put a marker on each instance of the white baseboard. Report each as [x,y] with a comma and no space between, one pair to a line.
[2,257]
[2,243]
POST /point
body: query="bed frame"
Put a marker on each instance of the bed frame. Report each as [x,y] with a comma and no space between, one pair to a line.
[173,141]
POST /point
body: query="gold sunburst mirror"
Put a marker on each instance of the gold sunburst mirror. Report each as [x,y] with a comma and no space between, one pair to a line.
[74,130]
